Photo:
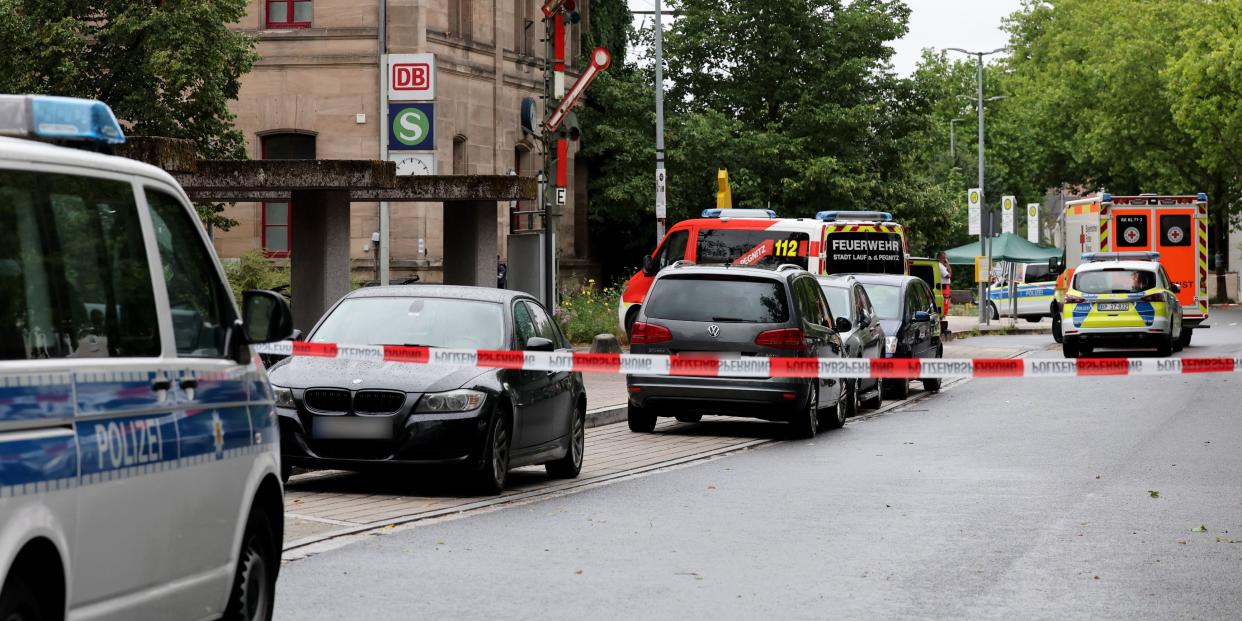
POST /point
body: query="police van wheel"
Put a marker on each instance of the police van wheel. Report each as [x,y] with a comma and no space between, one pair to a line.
[995,312]
[254,583]
[18,601]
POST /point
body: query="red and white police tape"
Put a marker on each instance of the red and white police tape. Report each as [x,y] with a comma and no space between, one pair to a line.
[755,366]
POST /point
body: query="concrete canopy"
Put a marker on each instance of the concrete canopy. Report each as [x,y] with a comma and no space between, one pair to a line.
[322,191]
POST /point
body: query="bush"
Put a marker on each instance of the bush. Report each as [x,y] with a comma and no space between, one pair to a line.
[588,310]
[255,271]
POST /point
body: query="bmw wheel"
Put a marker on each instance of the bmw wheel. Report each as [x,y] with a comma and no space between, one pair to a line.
[570,465]
[495,468]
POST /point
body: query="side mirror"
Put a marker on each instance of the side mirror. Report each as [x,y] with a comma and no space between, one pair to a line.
[1055,266]
[1175,288]
[921,317]
[843,325]
[538,343]
[265,317]
[649,268]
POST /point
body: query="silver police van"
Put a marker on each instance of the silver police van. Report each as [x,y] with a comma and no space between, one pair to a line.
[139,466]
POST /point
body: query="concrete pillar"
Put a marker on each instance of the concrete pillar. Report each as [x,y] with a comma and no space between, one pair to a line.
[470,243]
[318,252]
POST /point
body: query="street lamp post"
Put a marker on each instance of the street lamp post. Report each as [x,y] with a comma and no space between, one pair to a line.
[985,229]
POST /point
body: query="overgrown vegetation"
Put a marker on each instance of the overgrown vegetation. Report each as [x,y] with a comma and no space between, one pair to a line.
[255,271]
[588,310]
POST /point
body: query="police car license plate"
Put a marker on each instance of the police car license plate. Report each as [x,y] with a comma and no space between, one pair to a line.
[351,428]
[1113,307]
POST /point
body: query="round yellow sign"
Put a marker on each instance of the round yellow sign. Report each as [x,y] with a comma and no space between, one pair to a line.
[974,197]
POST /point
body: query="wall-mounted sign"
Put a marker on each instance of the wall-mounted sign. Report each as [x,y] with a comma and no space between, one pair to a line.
[411,127]
[414,163]
[411,77]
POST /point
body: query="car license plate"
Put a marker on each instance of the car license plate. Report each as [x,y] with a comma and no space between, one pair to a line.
[709,355]
[1113,307]
[352,428]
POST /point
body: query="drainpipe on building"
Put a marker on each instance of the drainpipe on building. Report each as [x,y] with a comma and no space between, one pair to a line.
[385,234]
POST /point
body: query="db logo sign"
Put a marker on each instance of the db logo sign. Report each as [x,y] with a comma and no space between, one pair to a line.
[411,77]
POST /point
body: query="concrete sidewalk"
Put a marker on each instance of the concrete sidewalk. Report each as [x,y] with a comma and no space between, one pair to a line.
[961,327]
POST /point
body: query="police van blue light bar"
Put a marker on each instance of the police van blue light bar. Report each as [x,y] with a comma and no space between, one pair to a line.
[1120,256]
[835,216]
[739,213]
[58,118]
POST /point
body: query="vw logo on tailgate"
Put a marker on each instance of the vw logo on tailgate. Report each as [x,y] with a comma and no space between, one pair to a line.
[713,330]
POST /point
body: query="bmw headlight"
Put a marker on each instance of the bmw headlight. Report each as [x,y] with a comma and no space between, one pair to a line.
[462,400]
[890,345]
[284,397]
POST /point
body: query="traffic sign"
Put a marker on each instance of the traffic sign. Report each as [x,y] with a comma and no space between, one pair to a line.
[1032,222]
[974,201]
[661,204]
[1007,205]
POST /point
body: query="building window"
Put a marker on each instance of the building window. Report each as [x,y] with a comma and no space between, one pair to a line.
[461,18]
[276,215]
[460,160]
[289,13]
[524,28]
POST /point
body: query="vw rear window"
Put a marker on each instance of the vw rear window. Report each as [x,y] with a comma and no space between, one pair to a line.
[718,299]
[752,248]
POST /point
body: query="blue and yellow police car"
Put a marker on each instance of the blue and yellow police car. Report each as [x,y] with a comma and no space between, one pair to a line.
[1121,299]
[139,458]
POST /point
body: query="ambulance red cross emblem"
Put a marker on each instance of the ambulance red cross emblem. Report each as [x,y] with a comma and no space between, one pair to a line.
[1132,235]
[1176,234]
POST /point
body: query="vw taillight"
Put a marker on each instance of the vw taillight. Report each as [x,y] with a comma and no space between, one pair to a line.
[647,333]
[785,338]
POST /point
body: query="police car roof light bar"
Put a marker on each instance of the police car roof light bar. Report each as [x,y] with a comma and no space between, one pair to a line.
[59,118]
[1121,256]
[766,214]
[834,216]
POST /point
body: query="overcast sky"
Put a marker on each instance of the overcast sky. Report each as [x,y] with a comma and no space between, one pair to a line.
[969,24]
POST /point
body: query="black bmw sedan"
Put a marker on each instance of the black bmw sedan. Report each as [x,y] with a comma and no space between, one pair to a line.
[352,415]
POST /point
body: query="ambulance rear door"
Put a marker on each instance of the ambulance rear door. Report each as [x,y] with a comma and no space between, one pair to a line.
[1177,229]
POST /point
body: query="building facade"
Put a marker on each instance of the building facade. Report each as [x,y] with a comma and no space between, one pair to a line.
[316,93]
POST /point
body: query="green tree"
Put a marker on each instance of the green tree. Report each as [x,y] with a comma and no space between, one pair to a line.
[166,68]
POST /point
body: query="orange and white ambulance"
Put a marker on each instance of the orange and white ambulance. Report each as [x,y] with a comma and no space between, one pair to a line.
[834,242]
[1174,226]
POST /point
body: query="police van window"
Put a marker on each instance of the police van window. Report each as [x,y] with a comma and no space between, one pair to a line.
[201,311]
[73,270]
[674,249]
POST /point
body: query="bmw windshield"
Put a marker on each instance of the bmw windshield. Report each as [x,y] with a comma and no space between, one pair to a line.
[432,322]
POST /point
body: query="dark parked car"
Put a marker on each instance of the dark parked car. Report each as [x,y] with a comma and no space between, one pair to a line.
[353,415]
[736,313]
[865,338]
[911,323]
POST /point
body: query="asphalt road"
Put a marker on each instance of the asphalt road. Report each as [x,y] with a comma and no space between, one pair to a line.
[995,499]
